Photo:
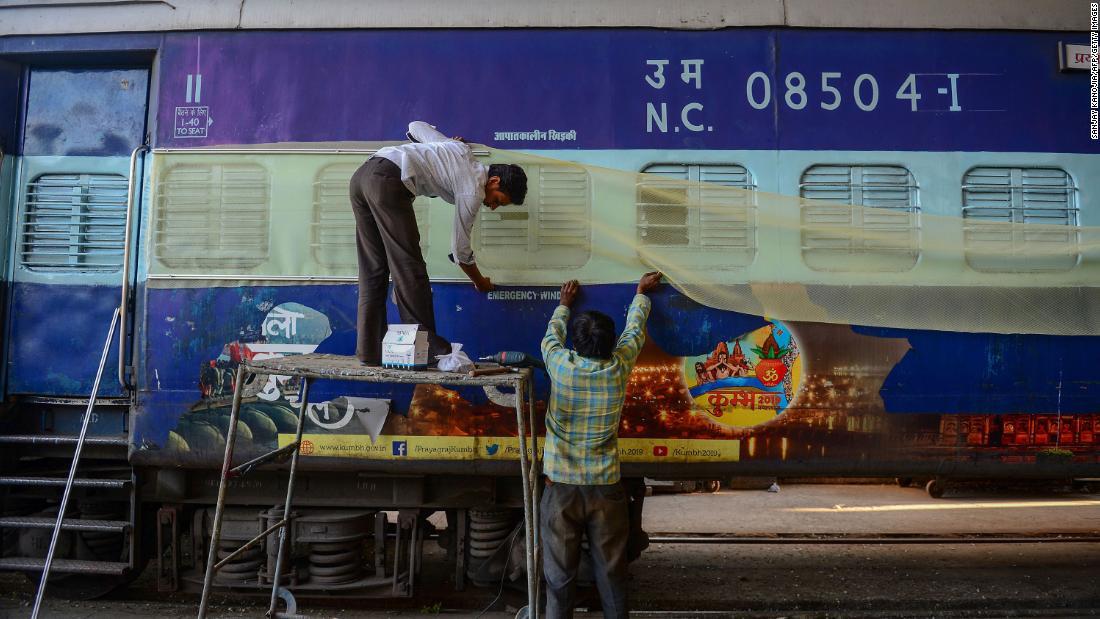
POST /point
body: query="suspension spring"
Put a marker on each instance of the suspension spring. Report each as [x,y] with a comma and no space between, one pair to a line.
[488,531]
[243,568]
[335,563]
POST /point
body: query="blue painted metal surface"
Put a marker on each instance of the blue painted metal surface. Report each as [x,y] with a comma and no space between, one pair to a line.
[10,76]
[101,44]
[991,373]
[1011,95]
[85,112]
[54,327]
[603,84]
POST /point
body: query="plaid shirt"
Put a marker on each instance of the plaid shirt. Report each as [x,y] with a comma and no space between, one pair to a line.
[586,401]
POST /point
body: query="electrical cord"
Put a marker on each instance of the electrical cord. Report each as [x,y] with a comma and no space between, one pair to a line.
[503,573]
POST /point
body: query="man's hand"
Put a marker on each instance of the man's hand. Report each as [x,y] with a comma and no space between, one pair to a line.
[484,285]
[569,292]
[649,282]
[481,282]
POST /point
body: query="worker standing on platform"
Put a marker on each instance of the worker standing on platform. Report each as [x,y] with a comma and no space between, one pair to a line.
[387,239]
[581,461]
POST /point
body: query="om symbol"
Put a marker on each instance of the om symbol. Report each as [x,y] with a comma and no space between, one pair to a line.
[718,400]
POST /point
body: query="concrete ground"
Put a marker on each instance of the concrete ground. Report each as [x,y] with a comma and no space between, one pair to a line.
[869,508]
[757,580]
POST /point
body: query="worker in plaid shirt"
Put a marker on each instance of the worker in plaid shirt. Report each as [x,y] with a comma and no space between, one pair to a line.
[581,462]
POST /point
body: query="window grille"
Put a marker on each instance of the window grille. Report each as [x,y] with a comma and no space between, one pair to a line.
[74,222]
[996,197]
[680,207]
[333,224]
[885,235]
[550,230]
[213,215]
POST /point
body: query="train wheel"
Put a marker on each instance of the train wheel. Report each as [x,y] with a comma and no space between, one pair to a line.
[81,587]
[903,482]
[935,488]
[85,546]
[712,486]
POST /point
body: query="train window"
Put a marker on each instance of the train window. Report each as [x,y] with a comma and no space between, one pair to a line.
[678,208]
[550,230]
[332,230]
[213,216]
[994,196]
[74,222]
[885,237]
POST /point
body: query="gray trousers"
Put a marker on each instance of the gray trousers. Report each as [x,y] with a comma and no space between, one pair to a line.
[387,243]
[567,513]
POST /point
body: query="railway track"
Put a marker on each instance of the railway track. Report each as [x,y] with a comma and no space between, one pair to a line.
[877,538]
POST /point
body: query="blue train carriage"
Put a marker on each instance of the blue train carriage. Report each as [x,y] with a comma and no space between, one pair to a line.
[934,143]
[232,239]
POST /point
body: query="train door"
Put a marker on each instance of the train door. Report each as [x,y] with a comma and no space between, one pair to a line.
[68,226]
[10,80]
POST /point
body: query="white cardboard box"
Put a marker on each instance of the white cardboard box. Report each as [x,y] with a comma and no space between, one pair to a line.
[405,346]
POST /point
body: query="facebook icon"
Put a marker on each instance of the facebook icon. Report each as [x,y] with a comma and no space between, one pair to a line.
[400,448]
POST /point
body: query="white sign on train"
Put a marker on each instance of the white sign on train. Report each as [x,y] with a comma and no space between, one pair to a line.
[192,121]
[1075,57]
[523,295]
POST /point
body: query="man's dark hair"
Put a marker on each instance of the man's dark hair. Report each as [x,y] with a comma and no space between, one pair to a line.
[594,335]
[513,180]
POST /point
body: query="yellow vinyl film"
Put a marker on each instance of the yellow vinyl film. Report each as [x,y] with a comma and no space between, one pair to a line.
[1014,260]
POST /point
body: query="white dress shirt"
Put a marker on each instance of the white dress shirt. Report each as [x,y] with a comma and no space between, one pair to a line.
[440,166]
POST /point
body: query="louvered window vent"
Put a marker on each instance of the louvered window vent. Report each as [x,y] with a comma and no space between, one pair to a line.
[74,222]
[213,216]
[994,197]
[885,237]
[678,208]
[551,229]
[333,225]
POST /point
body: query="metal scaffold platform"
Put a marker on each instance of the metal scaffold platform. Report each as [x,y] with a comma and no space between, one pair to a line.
[335,367]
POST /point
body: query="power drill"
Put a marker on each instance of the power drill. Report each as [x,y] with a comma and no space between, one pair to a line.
[514,359]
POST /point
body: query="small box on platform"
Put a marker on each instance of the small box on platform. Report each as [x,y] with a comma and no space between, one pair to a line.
[405,347]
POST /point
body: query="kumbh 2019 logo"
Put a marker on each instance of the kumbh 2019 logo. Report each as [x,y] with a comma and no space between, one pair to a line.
[746,381]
